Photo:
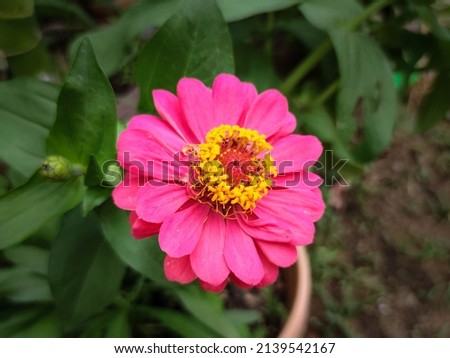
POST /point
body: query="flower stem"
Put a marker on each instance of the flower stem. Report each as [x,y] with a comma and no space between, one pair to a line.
[314,58]
[304,67]
[326,94]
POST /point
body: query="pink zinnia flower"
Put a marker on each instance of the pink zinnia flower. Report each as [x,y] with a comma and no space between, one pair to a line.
[223,180]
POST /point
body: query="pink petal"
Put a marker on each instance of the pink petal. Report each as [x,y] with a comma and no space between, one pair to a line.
[147,156]
[228,99]
[181,231]
[178,269]
[216,289]
[299,224]
[241,255]
[168,107]
[207,259]
[270,272]
[141,229]
[197,106]
[308,202]
[262,230]
[249,95]
[124,195]
[267,112]
[157,200]
[282,255]
[288,125]
[303,180]
[239,282]
[296,152]
[158,130]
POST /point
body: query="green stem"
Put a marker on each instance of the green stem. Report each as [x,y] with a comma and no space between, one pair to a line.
[368,11]
[316,56]
[326,94]
[304,67]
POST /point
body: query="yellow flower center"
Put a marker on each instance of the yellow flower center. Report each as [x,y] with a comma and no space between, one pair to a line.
[232,169]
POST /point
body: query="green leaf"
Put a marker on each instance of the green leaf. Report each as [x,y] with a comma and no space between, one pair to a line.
[115,44]
[21,285]
[143,255]
[194,42]
[27,112]
[32,258]
[180,323]
[234,10]
[18,35]
[327,15]
[202,306]
[436,104]
[84,273]
[366,81]
[16,9]
[112,44]
[93,198]
[25,209]
[86,115]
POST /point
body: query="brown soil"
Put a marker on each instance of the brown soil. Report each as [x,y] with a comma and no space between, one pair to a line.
[382,252]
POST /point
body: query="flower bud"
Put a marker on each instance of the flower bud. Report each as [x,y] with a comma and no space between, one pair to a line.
[57,168]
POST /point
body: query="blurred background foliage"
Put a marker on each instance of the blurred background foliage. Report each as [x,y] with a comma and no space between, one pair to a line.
[369,78]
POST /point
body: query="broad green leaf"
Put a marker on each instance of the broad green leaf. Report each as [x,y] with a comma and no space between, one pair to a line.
[18,35]
[27,112]
[96,194]
[86,115]
[143,255]
[25,209]
[84,272]
[194,42]
[436,104]
[21,285]
[94,197]
[367,87]
[202,306]
[327,15]
[234,10]
[180,323]
[115,44]
[15,9]
[33,258]
[366,81]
